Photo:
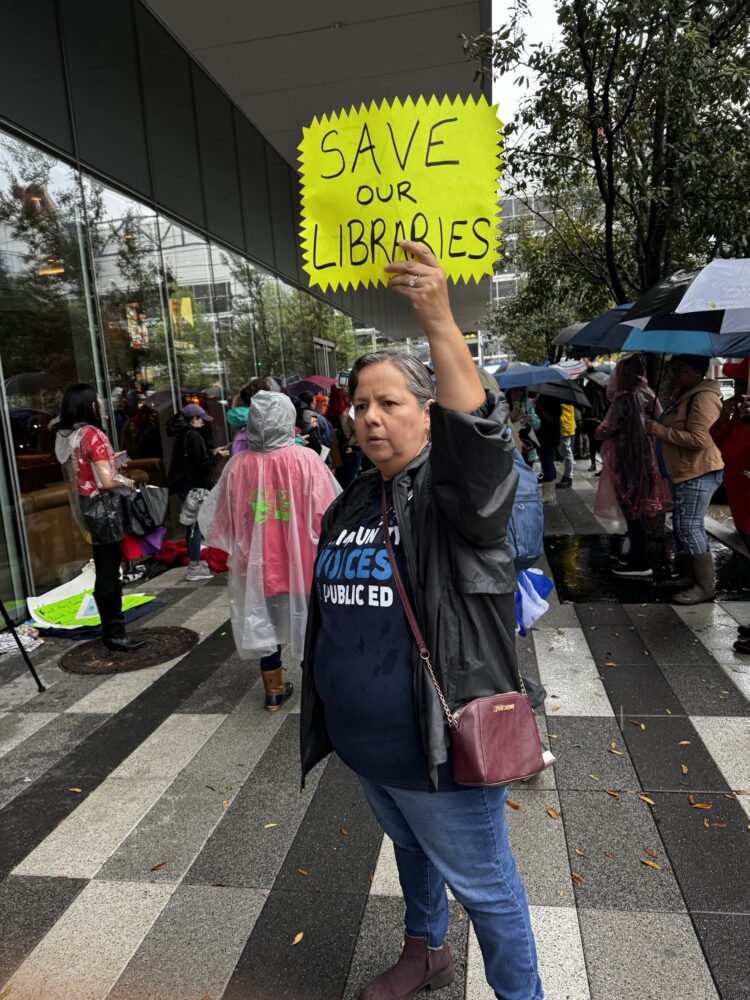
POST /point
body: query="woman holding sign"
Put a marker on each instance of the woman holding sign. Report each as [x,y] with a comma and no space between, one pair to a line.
[444,475]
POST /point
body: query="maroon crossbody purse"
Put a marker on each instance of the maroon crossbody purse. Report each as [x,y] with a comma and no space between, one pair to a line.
[494,740]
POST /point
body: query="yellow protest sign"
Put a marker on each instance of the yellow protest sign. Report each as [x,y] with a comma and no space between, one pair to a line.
[423,170]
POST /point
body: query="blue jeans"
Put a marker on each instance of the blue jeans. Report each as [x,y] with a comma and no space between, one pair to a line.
[460,838]
[691,500]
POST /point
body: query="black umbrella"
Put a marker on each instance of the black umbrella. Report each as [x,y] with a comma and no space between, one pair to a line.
[664,296]
[565,392]
[565,336]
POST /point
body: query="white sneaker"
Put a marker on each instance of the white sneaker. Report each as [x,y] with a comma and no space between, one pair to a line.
[198,572]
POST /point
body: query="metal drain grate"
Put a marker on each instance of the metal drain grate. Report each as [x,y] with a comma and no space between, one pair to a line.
[161,644]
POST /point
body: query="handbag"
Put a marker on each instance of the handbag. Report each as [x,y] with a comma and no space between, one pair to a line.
[191,505]
[144,510]
[102,515]
[494,740]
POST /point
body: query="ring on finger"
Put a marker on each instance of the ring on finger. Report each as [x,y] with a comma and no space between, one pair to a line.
[413,281]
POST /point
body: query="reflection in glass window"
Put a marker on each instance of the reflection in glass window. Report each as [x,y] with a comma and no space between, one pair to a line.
[194,320]
[129,285]
[45,340]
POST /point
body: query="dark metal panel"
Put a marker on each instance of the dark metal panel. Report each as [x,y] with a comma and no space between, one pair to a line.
[102,62]
[170,120]
[218,153]
[282,216]
[33,93]
[254,191]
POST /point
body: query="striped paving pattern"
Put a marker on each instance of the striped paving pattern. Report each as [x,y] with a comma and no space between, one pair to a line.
[155,844]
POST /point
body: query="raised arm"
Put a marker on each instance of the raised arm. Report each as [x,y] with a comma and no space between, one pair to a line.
[422,281]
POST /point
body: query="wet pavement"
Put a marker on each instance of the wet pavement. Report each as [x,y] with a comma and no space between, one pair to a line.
[155,845]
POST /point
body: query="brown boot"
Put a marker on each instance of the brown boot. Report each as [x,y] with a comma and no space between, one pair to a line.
[277,689]
[418,968]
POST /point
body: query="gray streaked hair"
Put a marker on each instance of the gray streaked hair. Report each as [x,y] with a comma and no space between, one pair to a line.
[418,380]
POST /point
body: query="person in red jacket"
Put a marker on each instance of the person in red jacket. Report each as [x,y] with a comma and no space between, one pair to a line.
[732,437]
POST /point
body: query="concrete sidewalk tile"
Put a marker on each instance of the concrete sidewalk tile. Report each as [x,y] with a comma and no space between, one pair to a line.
[558,616]
[612,835]
[30,906]
[644,956]
[669,754]
[583,749]
[170,747]
[385,881]
[62,690]
[181,821]
[715,629]
[707,849]
[666,635]
[569,673]
[194,945]
[83,955]
[15,727]
[244,850]
[82,843]
[28,761]
[724,938]
[538,844]
[378,946]
[739,611]
[118,690]
[728,742]
[332,859]
[639,689]
[706,689]
[592,616]
[273,966]
[228,687]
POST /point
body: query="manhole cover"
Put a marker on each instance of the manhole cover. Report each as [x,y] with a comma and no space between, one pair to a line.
[161,644]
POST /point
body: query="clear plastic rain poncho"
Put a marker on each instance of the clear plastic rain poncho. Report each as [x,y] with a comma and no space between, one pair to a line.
[265,513]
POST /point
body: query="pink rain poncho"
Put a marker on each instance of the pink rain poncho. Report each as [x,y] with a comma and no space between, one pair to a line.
[265,512]
[631,484]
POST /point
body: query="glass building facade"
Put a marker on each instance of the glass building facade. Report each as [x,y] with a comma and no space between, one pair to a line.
[148,246]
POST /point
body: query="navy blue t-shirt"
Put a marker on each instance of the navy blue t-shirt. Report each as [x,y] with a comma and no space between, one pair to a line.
[363,667]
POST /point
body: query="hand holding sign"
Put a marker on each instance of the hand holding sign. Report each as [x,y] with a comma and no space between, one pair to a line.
[423,281]
[424,171]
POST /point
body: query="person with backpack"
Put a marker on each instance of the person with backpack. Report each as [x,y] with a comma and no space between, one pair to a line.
[190,477]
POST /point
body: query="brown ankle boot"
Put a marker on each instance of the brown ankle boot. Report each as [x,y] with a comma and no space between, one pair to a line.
[277,689]
[418,968]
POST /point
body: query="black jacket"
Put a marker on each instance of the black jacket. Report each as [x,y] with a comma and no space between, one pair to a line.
[453,503]
[191,463]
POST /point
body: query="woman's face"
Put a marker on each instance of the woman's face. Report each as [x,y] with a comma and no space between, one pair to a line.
[391,426]
[683,376]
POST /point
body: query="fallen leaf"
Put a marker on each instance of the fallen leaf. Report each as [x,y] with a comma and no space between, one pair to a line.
[740,791]
[269,826]
[706,824]
[555,708]
[702,805]
[512,804]
[576,877]
[668,711]
[578,745]
[719,824]
[225,804]
[691,799]
[6,992]
[647,800]
[158,867]
[608,854]
[684,769]
[74,789]
[552,813]
[728,795]
[684,743]
[615,795]
[298,937]
[617,753]
[609,663]
[647,850]
[581,854]
[640,725]
[460,915]
[553,736]
[302,871]
[593,777]
[343,831]
[651,864]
